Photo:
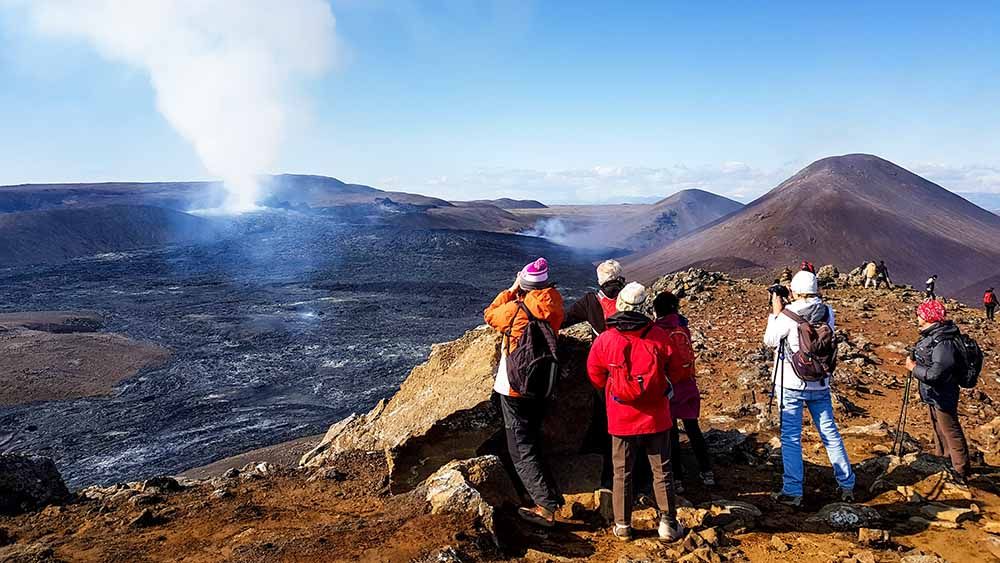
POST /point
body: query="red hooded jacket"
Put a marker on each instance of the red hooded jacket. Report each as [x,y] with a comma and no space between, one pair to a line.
[651,413]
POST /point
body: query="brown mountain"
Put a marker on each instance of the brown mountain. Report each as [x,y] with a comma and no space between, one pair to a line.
[845,210]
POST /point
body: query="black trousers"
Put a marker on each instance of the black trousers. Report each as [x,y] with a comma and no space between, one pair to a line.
[698,445]
[990,311]
[522,420]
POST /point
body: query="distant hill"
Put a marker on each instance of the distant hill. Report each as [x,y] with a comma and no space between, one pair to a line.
[845,210]
[354,203]
[506,203]
[635,226]
[55,235]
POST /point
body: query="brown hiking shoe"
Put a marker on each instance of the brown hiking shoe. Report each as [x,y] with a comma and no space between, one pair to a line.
[538,516]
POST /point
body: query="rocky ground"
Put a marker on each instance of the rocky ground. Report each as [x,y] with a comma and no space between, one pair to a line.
[378,487]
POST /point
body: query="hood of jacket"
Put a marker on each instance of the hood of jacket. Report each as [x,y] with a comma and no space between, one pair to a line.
[814,311]
[943,329]
[629,321]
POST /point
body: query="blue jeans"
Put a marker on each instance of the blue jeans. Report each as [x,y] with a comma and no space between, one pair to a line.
[821,409]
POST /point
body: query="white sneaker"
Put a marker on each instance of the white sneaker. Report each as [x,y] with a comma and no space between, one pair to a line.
[623,533]
[670,531]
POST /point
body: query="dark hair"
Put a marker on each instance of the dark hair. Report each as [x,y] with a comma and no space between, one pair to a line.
[666,303]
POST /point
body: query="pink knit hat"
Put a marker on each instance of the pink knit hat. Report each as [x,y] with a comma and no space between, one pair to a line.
[535,275]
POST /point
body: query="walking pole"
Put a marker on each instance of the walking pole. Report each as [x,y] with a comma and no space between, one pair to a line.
[897,446]
[781,383]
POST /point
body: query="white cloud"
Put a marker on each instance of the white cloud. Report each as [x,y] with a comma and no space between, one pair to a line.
[968,178]
[602,183]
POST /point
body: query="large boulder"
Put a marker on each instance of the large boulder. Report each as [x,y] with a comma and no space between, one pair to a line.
[476,487]
[29,483]
[443,410]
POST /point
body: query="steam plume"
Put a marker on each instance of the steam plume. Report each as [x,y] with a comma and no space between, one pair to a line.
[224,71]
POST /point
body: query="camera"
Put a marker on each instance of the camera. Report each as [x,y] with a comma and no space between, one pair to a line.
[780,290]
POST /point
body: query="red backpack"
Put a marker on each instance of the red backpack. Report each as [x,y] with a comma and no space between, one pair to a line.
[640,373]
[681,367]
[989,298]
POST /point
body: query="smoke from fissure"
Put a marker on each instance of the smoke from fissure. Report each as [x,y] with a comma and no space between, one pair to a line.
[225,72]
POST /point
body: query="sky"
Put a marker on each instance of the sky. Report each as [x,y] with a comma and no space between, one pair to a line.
[560,101]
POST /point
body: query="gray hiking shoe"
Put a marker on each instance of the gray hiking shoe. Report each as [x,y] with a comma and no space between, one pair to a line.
[847,495]
[787,500]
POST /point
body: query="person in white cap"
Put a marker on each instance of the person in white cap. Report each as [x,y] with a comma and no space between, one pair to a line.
[783,334]
[629,364]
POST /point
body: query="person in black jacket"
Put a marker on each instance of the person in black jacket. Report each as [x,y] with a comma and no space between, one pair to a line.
[934,363]
[595,308]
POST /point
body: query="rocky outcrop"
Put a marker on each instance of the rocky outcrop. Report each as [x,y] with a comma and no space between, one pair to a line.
[29,483]
[443,410]
[476,486]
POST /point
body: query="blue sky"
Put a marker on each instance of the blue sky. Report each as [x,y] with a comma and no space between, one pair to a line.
[560,101]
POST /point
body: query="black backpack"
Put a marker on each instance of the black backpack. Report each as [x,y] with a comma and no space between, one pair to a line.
[970,356]
[533,367]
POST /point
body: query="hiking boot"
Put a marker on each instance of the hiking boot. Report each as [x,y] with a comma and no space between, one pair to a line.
[787,500]
[670,531]
[623,532]
[707,478]
[847,495]
[538,516]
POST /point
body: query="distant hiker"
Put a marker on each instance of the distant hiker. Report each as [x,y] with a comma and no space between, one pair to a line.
[686,402]
[531,307]
[882,276]
[802,333]
[786,276]
[990,303]
[629,361]
[871,274]
[595,308]
[937,362]
[807,266]
[931,282]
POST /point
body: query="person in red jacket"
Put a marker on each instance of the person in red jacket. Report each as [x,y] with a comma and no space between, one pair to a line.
[633,346]
[990,303]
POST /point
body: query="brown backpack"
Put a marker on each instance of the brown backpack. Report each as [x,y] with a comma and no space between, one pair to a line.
[817,356]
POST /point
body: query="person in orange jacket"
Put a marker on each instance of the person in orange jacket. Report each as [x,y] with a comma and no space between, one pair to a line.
[523,416]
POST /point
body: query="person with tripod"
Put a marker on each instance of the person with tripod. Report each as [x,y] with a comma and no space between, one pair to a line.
[784,333]
[935,363]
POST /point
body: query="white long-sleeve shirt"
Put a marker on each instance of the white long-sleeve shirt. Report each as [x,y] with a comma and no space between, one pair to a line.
[782,327]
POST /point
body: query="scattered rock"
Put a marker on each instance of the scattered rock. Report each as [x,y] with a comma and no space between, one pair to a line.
[921,558]
[146,519]
[779,544]
[28,483]
[219,494]
[875,430]
[843,516]
[257,470]
[874,538]
[733,516]
[160,485]
[945,513]
[26,553]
